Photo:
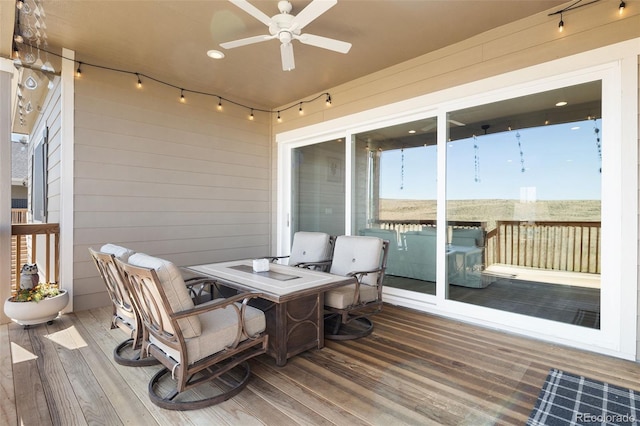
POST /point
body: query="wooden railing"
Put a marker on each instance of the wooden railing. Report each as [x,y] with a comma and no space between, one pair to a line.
[19,215]
[41,243]
[562,246]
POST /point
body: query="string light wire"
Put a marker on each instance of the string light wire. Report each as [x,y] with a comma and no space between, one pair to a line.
[183,90]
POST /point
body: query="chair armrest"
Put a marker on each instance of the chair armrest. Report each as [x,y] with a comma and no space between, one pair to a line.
[217,304]
[308,265]
[275,258]
[196,293]
[359,274]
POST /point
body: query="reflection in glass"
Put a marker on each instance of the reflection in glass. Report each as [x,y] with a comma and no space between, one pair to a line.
[318,190]
[524,205]
[395,199]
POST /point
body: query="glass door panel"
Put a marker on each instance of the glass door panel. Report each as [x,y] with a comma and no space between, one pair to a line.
[524,205]
[318,188]
[394,198]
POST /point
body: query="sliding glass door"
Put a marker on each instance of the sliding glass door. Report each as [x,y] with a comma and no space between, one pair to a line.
[394,198]
[493,205]
[524,204]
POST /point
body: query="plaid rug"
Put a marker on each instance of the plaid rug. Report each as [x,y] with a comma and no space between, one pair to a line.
[567,399]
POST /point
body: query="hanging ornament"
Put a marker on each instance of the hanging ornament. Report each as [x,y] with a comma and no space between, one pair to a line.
[596,131]
[476,159]
[401,168]
[521,153]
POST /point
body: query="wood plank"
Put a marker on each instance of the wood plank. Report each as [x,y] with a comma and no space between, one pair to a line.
[31,403]
[8,412]
[414,368]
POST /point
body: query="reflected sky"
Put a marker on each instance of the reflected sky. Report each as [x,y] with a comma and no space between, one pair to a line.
[561,162]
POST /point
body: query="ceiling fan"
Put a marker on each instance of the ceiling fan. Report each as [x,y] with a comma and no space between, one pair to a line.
[286,28]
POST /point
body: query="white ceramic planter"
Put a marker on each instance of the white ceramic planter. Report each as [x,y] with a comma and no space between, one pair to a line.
[31,313]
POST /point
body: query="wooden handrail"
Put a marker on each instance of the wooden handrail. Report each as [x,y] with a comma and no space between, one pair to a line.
[33,230]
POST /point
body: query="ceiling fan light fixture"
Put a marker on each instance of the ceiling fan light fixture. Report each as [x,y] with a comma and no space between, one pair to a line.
[215,54]
[286,28]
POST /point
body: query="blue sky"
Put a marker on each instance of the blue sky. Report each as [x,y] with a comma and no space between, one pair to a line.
[561,163]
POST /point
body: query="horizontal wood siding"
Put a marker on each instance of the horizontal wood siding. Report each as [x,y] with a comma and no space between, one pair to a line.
[180,181]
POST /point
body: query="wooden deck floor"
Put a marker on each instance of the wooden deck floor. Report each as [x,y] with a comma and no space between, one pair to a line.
[414,369]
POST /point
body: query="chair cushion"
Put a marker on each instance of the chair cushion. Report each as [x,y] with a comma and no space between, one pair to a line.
[357,254]
[174,287]
[219,330]
[342,297]
[309,247]
[120,252]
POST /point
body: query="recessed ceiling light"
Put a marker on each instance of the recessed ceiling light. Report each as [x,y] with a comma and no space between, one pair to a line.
[562,103]
[412,131]
[575,128]
[215,54]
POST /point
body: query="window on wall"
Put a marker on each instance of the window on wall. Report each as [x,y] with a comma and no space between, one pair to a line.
[39,180]
[523,185]
[317,188]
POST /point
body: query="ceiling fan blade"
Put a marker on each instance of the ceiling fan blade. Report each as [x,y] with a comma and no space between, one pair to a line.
[245,41]
[253,11]
[324,42]
[312,11]
[286,51]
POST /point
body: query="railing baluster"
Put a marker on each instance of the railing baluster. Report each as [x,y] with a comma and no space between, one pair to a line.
[34,230]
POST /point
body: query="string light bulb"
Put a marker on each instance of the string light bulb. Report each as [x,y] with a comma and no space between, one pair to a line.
[251,117]
[16,52]
[19,4]
[561,24]
[621,7]
[78,73]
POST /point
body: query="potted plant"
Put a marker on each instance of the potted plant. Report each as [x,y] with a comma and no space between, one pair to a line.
[35,303]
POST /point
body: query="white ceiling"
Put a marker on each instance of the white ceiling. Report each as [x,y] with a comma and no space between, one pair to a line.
[168,39]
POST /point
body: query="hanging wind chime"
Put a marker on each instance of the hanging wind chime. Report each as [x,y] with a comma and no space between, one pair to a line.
[476,159]
[596,131]
[521,153]
[401,168]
